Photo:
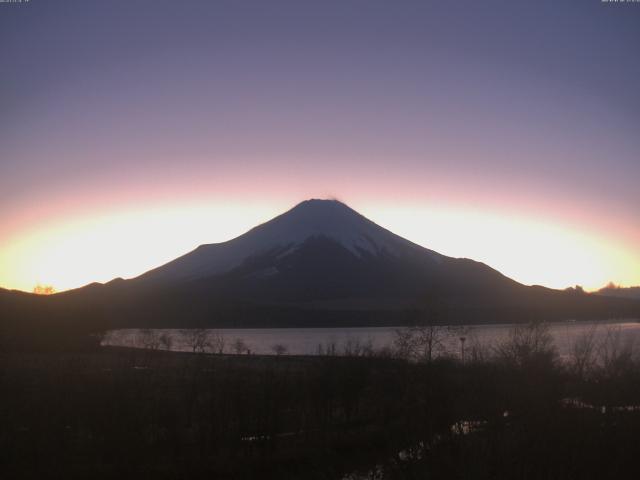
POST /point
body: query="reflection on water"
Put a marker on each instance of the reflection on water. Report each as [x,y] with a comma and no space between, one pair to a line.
[355,341]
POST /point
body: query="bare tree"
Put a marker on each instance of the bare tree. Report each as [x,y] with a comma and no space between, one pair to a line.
[328,349]
[476,351]
[354,347]
[367,348]
[216,342]
[166,340]
[197,339]
[615,352]
[528,344]
[583,356]
[239,346]
[420,342]
[279,349]
[149,339]
[425,340]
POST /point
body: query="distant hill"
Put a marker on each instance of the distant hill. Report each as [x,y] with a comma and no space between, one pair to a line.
[319,264]
[619,292]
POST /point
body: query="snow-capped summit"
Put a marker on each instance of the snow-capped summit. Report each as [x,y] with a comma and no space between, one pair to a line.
[319,251]
[334,220]
[321,264]
[312,219]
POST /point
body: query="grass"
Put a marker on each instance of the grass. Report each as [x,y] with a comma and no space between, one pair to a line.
[119,413]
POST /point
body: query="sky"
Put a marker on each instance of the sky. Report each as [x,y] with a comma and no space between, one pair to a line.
[504,131]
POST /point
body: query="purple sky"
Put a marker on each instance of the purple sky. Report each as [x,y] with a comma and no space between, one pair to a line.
[526,110]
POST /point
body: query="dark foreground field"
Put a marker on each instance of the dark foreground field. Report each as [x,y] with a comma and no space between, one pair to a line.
[144,414]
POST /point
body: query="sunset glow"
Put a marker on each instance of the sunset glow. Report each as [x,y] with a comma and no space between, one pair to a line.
[101,247]
[197,123]
[286,239]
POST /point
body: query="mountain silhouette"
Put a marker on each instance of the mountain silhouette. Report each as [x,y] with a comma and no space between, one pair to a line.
[319,264]
[323,250]
[620,292]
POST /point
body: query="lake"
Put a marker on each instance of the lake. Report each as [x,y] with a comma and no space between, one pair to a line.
[311,341]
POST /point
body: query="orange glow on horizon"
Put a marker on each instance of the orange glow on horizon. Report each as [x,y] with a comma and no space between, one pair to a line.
[72,252]
[44,290]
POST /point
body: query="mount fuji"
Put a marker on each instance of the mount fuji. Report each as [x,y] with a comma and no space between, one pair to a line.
[310,222]
[319,264]
[323,251]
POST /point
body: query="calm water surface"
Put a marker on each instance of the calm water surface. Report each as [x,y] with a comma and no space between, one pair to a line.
[308,341]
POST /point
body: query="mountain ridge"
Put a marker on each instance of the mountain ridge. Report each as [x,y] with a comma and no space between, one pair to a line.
[619,292]
[320,264]
[314,217]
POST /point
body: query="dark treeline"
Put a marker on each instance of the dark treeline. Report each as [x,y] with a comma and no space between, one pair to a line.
[64,321]
[515,412]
